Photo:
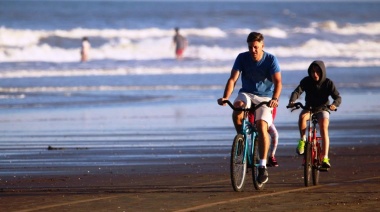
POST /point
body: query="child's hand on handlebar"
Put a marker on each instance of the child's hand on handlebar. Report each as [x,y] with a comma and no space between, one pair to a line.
[290,105]
[332,107]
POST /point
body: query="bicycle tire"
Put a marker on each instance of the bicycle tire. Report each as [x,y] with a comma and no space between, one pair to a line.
[255,167]
[317,164]
[238,167]
[308,165]
[315,173]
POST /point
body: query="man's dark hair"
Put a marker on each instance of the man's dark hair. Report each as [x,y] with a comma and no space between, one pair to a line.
[255,36]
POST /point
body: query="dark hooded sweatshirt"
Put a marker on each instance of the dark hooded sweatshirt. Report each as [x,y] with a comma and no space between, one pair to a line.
[317,93]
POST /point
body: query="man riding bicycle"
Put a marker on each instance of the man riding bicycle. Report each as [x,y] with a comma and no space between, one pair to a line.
[318,88]
[261,81]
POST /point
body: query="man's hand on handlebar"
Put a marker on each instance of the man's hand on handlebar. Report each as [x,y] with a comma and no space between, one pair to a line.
[273,103]
[220,101]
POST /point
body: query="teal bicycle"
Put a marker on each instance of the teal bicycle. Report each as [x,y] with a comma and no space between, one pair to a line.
[244,152]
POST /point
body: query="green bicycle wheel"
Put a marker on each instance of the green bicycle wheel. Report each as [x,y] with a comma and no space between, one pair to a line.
[238,167]
[308,165]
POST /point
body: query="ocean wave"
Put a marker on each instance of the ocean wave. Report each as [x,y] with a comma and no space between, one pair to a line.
[19,92]
[150,49]
[372,28]
[154,44]
[26,37]
[69,89]
[360,49]
[270,32]
[201,69]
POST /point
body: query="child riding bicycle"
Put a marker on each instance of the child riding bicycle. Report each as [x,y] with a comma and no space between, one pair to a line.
[318,88]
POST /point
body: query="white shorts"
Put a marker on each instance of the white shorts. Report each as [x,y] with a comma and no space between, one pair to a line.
[320,115]
[262,113]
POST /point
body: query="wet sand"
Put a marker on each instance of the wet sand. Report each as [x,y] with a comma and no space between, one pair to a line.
[203,185]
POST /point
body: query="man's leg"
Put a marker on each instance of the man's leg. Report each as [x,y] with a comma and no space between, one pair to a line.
[237,116]
[241,101]
[262,127]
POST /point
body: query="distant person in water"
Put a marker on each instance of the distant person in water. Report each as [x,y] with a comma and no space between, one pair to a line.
[85,49]
[180,43]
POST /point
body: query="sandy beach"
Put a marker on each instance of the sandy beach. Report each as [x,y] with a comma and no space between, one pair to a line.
[110,159]
[203,184]
[134,129]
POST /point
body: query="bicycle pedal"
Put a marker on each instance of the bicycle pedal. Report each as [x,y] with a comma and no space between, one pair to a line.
[323,169]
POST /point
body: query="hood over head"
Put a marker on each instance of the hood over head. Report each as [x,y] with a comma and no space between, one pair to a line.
[321,65]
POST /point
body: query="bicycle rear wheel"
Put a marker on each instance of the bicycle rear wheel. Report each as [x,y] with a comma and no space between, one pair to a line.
[238,167]
[308,164]
[255,165]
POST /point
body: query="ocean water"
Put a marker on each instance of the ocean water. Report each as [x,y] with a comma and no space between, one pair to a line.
[133,97]
[136,37]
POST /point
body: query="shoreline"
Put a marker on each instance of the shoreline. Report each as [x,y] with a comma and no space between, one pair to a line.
[178,148]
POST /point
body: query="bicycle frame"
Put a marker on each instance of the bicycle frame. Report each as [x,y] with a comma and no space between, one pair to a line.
[314,140]
[249,131]
[313,151]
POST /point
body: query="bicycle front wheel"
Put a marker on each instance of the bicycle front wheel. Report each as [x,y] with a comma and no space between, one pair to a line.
[255,165]
[238,166]
[318,162]
[315,175]
[308,164]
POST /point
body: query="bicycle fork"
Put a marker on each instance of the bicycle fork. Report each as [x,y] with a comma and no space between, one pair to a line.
[248,133]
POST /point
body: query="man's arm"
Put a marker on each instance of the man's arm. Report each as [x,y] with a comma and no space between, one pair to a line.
[277,81]
[230,85]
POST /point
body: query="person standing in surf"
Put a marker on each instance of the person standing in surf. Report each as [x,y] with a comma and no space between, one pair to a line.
[85,49]
[180,43]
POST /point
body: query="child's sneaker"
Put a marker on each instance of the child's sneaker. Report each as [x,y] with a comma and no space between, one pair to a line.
[326,163]
[272,162]
[301,147]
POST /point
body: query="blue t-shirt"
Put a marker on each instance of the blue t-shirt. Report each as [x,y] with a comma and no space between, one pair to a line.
[256,77]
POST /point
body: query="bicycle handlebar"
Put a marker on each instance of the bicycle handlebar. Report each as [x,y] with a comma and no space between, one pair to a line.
[299,105]
[255,107]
